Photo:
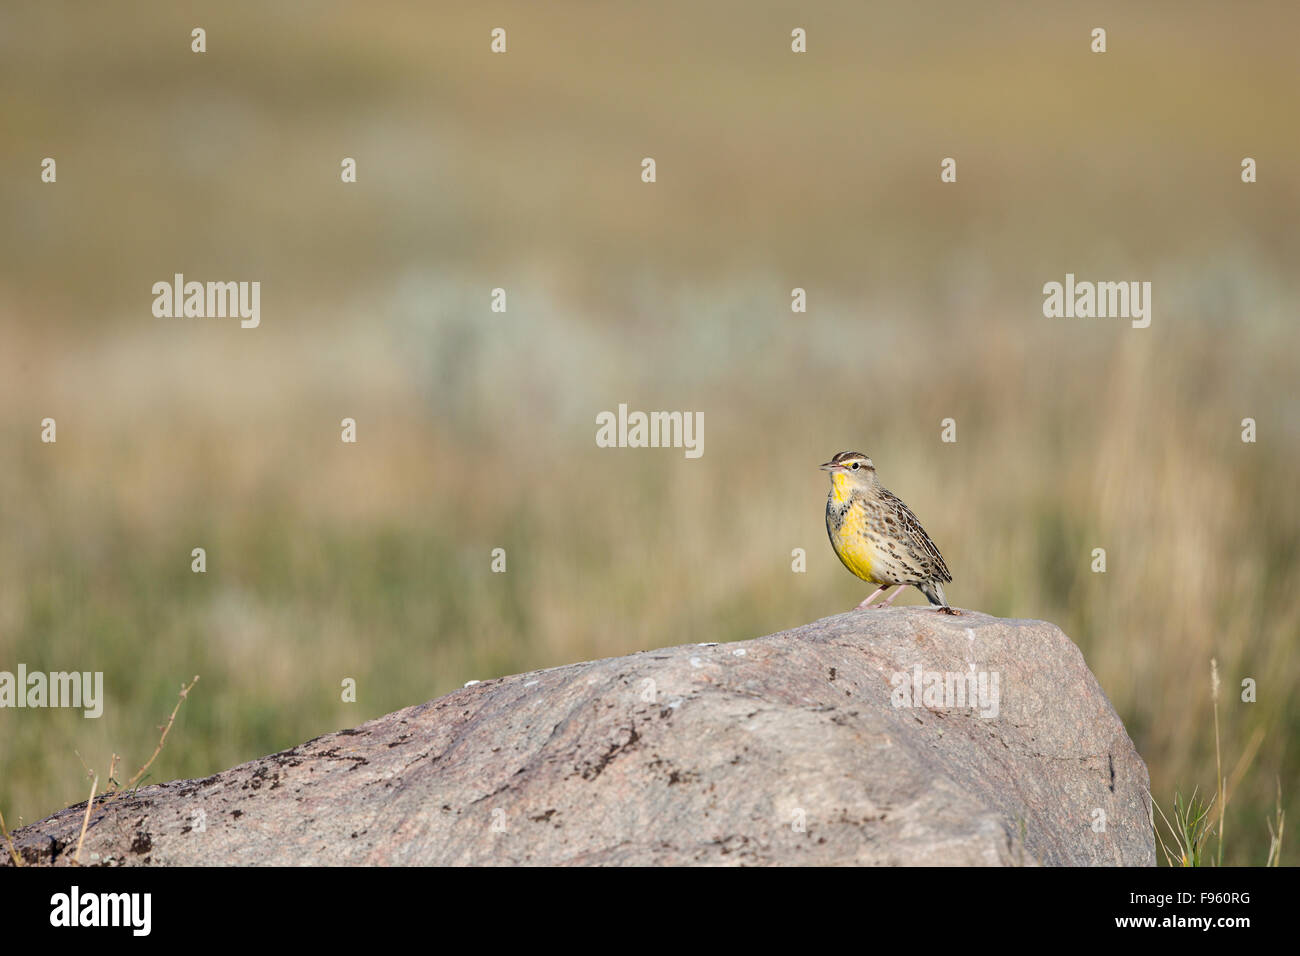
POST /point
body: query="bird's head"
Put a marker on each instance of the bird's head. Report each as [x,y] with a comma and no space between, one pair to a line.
[850,467]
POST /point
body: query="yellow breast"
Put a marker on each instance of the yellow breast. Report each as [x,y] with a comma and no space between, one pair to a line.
[849,540]
[841,487]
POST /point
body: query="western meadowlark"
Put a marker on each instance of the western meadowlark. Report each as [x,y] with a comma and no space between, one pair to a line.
[877,536]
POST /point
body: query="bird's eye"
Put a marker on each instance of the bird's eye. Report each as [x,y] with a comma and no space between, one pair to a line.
[855,466]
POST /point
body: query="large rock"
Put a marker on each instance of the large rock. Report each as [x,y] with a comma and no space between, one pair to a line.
[800,747]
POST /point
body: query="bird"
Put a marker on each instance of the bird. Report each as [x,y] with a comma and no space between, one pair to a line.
[877,537]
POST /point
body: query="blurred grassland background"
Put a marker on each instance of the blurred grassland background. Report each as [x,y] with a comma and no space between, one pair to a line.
[371,561]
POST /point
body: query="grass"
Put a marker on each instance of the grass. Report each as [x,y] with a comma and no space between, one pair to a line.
[116,789]
[1184,839]
[1276,831]
[372,561]
[1191,829]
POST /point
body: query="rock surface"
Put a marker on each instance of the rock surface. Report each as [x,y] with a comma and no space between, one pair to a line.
[795,748]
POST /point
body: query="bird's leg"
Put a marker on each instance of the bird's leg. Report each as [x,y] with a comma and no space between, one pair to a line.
[869,597]
[891,597]
[882,603]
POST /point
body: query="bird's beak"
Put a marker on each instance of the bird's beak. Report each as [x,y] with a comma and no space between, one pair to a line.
[828,466]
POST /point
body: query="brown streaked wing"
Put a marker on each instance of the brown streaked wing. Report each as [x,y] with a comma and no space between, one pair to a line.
[913,535]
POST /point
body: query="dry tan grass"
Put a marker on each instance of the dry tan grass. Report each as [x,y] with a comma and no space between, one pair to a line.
[477,429]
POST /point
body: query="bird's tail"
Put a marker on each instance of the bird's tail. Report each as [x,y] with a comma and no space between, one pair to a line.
[933,592]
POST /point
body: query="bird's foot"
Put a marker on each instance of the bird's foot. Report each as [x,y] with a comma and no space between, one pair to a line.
[945,609]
